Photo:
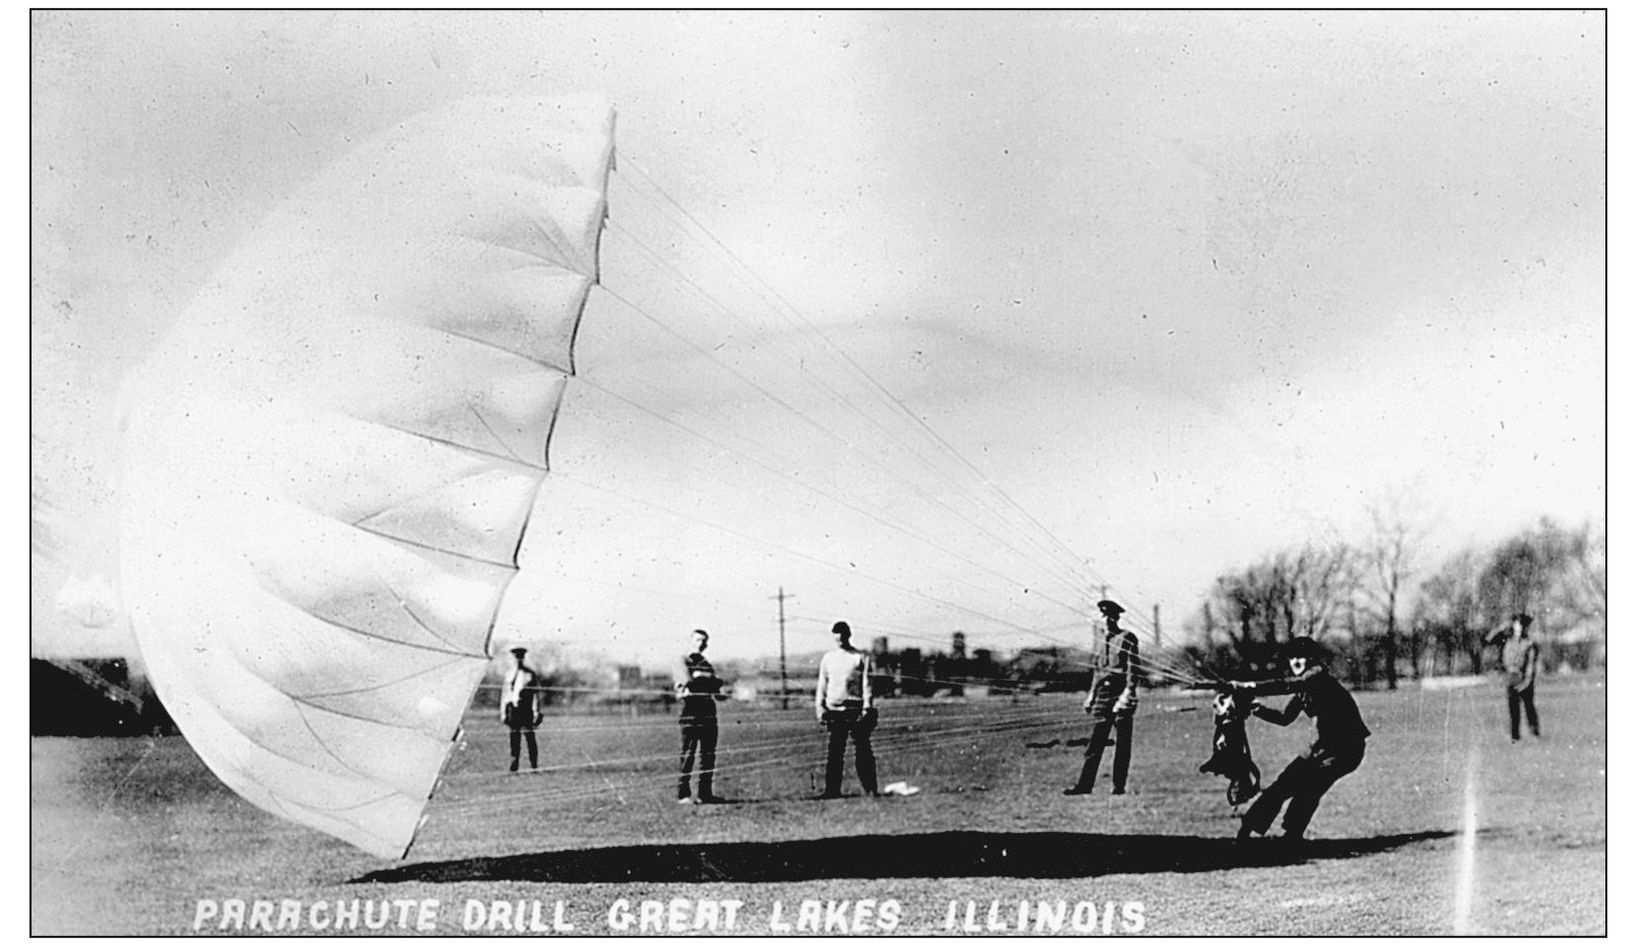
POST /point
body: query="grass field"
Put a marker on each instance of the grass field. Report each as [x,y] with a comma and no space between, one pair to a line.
[129,834]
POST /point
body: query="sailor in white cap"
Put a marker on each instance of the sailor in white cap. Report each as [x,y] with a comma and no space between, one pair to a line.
[521,706]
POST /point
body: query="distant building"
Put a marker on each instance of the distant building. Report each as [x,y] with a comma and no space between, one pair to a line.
[1051,669]
[759,689]
[910,672]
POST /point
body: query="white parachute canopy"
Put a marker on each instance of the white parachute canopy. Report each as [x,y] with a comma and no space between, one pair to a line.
[330,463]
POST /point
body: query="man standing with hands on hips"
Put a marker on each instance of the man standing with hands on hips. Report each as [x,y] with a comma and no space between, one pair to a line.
[1112,699]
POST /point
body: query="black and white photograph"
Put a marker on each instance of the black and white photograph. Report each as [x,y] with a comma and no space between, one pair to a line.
[787,472]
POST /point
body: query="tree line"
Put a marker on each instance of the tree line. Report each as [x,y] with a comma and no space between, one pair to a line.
[1389,613]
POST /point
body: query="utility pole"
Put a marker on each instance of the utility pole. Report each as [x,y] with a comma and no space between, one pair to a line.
[781,597]
[1156,625]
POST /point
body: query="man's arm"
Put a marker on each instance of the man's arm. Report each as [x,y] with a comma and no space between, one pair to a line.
[1531,664]
[538,695]
[1280,717]
[1093,687]
[1283,684]
[1130,667]
[820,691]
[865,681]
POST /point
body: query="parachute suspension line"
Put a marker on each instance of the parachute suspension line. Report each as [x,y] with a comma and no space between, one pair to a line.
[888,398]
[1066,578]
[1178,671]
[893,741]
[1175,659]
[883,395]
[784,475]
[1172,667]
[996,685]
[755,606]
[799,555]
[769,744]
[1016,720]
[932,500]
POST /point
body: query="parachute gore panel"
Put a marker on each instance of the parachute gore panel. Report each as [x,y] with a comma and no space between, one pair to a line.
[329,464]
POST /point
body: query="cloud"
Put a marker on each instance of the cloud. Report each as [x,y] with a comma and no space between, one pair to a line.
[90,602]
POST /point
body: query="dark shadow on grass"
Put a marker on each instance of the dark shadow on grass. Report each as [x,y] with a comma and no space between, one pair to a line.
[946,854]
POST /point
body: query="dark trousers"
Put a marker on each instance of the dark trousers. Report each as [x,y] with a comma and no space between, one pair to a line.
[1123,726]
[1522,699]
[1301,784]
[700,733]
[515,735]
[841,725]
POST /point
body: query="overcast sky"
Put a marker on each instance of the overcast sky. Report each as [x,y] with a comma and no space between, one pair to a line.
[1182,288]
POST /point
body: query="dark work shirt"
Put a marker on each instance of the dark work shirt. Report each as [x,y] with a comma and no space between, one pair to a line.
[1317,694]
[1115,664]
[699,685]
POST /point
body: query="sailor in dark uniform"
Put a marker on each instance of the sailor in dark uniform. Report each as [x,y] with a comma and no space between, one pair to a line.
[1340,740]
[1112,699]
[699,688]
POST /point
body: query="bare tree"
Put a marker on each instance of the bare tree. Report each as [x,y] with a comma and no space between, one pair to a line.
[1326,577]
[1525,571]
[1449,605]
[1303,592]
[1255,607]
[1390,557]
[1581,593]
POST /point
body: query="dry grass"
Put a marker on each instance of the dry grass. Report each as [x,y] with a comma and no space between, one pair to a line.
[129,833]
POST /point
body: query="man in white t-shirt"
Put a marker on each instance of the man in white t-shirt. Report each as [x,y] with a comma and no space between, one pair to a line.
[842,703]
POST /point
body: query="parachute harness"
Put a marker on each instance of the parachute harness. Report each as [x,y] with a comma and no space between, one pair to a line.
[1231,756]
